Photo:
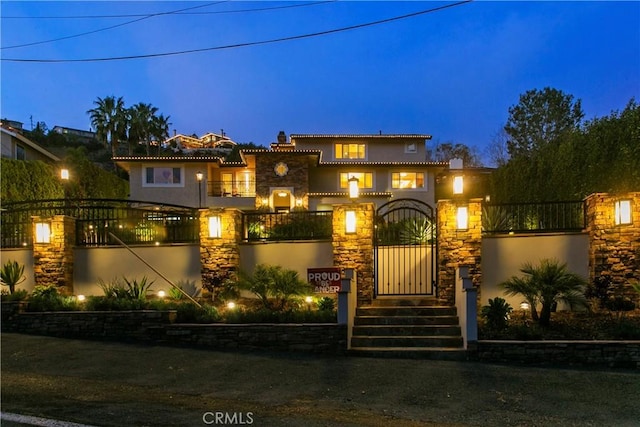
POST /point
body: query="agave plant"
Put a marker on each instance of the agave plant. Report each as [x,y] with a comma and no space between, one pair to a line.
[547,284]
[12,274]
[417,231]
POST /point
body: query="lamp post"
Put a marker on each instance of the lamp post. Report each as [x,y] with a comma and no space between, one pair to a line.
[65,176]
[199,177]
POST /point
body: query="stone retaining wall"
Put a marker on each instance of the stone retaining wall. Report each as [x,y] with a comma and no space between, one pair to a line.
[157,327]
[619,354]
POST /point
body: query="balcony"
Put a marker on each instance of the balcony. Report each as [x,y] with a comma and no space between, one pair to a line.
[231,189]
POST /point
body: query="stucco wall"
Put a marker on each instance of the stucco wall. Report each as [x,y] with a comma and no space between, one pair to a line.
[23,257]
[502,257]
[294,256]
[186,195]
[175,262]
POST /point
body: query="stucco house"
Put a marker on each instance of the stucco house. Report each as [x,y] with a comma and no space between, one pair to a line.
[17,146]
[304,171]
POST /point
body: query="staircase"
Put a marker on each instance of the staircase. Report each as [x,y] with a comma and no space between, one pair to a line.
[408,328]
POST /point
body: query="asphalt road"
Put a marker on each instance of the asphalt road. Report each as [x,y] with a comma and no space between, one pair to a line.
[112,384]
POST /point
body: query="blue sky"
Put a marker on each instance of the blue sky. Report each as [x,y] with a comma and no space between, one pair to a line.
[452,73]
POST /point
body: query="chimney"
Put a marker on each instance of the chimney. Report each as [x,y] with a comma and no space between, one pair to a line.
[282,137]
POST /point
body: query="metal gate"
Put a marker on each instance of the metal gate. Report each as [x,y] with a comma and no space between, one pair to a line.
[405,248]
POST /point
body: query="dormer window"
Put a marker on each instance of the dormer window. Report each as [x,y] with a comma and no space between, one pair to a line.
[350,151]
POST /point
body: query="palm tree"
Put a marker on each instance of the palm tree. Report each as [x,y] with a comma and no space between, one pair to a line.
[109,119]
[547,284]
[142,118]
[160,129]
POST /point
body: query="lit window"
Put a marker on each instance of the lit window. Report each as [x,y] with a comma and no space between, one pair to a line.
[162,177]
[350,151]
[623,212]
[404,180]
[365,179]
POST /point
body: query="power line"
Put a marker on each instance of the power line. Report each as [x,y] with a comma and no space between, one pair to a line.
[137,15]
[247,44]
[111,27]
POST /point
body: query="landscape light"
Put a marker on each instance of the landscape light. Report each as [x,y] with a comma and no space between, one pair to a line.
[462,218]
[622,214]
[350,222]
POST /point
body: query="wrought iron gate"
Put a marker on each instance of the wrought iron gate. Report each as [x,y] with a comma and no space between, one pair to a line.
[405,248]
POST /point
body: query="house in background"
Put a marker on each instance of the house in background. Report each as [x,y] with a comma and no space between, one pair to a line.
[83,136]
[17,146]
[306,171]
[210,142]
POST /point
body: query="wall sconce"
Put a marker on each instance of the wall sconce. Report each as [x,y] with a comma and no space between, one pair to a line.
[462,218]
[265,201]
[350,222]
[215,227]
[299,202]
[354,189]
[622,215]
[64,174]
[458,185]
[43,232]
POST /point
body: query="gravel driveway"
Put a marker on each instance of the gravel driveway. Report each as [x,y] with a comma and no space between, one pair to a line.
[113,384]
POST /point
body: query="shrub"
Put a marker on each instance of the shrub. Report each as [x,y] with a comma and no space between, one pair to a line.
[47,298]
[19,295]
[547,284]
[130,289]
[264,315]
[188,312]
[326,304]
[138,290]
[188,286]
[496,313]
[111,303]
[11,275]
[275,287]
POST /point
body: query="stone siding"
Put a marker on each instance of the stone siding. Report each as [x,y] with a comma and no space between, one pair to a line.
[619,354]
[458,247]
[356,250]
[219,257]
[297,176]
[53,261]
[614,250]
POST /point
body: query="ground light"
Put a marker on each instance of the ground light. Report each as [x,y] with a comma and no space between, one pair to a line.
[231,305]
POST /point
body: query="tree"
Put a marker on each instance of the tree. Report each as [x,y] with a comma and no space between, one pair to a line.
[547,284]
[448,150]
[141,123]
[540,118]
[160,129]
[109,119]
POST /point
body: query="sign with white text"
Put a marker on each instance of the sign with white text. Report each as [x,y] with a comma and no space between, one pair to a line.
[324,280]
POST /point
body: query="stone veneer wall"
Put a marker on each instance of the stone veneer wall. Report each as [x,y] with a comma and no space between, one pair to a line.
[157,327]
[458,247]
[53,262]
[620,354]
[219,257]
[355,250]
[614,250]
[297,176]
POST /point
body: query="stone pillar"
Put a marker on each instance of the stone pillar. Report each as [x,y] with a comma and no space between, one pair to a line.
[355,250]
[458,247]
[219,257]
[53,261]
[614,250]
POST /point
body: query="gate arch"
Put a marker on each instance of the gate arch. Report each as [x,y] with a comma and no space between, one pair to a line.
[405,248]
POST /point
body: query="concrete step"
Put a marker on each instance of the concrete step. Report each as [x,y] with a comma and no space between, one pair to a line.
[406,311]
[407,330]
[358,341]
[433,353]
[406,320]
[405,301]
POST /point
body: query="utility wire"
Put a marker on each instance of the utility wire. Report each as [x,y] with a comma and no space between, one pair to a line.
[247,44]
[153,15]
[218,12]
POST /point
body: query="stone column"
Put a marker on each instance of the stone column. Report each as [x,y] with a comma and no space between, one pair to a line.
[355,250]
[614,250]
[458,247]
[219,257]
[53,261]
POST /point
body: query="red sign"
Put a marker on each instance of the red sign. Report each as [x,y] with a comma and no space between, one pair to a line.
[324,280]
